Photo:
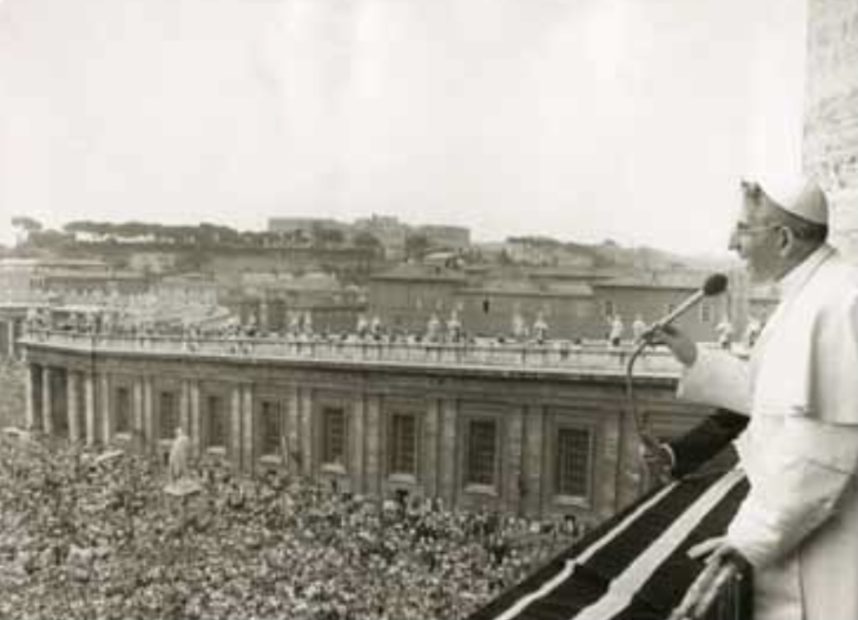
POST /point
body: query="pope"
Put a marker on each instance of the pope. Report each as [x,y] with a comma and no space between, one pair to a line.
[798,525]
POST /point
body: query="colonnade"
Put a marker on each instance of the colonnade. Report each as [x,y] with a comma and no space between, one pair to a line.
[10,330]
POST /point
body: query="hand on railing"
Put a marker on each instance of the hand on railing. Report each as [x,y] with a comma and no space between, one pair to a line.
[723,566]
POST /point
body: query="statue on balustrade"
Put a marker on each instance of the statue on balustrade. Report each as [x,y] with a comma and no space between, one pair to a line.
[540,329]
[454,327]
[519,327]
[615,336]
[375,327]
[433,328]
[362,325]
[638,327]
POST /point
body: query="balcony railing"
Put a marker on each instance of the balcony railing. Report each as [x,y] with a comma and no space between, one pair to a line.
[561,356]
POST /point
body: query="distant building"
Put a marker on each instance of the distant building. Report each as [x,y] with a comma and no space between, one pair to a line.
[306,224]
[349,264]
[152,262]
[389,231]
[576,303]
[275,301]
[19,279]
[533,251]
[655,294]
[191,288]
[446,237]
[26,279]
[489,309]
[87,236]
[406,296]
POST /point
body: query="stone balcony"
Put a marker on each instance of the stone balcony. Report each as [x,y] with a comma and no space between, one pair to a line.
[552,357]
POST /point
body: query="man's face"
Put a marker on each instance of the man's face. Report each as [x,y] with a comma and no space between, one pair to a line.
[757,241]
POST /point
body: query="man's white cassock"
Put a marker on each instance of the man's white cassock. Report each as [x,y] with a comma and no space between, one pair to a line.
[798,525]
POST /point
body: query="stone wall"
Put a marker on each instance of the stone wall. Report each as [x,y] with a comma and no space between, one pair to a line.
[831,111]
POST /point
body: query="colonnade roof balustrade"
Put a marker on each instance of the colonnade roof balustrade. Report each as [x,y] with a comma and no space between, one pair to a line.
[593,357]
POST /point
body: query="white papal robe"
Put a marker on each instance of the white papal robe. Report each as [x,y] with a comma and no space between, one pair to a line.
[798,525]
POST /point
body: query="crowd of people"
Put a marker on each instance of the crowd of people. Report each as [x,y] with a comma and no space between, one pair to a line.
[93,535]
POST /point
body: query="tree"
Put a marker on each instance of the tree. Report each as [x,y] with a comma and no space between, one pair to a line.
[325,236]
[50,239]
[26,226]
[366,240]
[416,246]
[27,223]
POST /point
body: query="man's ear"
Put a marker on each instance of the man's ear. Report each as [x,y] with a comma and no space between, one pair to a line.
[786,240]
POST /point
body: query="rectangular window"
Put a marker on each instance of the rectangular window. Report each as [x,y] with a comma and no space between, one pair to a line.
[216,422]
[168,418]
[572,471]
[482,452]
[270,427]
[608,309]
[403,444]
[123,410]
[58,403]
[333,436]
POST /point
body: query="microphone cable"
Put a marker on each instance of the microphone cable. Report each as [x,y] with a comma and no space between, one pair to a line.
[715,284]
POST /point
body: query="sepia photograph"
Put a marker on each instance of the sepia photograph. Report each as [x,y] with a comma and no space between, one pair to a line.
[429,309]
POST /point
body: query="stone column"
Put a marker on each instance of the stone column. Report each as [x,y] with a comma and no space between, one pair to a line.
[137,425]
[72,403]
[89,404]
[264,316]
[194,416]
[235,427]
[512,456]
[248,427]
[431,461]
[47,401]
[533,459]
[149,440]
[448,479]
[33,418]
[308,432]
[358,439]
[373,471]
[10,327]
[107,421]
[293,425]
[185,406]
[5,349]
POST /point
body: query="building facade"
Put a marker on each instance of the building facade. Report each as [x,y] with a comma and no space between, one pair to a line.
[578,307]
[543,436]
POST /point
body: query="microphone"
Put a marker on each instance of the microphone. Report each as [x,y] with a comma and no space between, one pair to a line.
[714,285]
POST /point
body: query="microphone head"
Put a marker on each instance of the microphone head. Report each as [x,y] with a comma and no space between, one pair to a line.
[715,284]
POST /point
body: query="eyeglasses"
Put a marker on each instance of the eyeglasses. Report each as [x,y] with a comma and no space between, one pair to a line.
[743,230]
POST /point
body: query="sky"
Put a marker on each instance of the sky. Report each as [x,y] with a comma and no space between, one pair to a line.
[585,120]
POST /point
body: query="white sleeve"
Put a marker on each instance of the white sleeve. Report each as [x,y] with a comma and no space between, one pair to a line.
[806,468]
[719,379]
[803,469]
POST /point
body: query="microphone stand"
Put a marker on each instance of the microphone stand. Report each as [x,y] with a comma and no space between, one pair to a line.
[647,439]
